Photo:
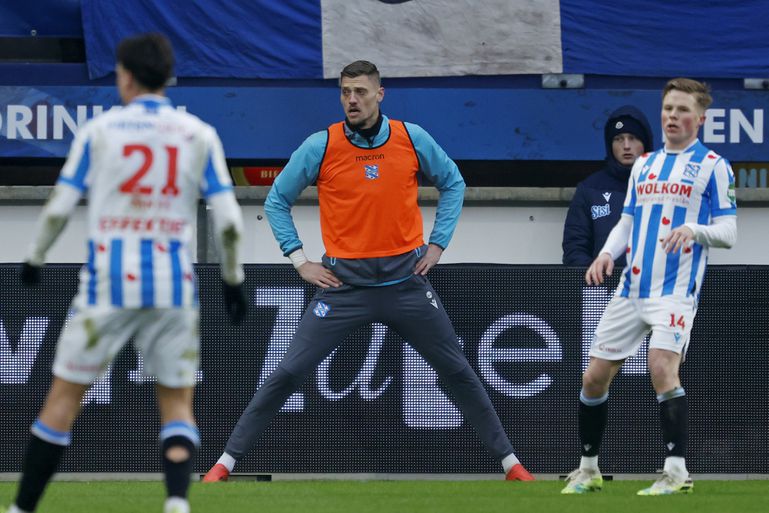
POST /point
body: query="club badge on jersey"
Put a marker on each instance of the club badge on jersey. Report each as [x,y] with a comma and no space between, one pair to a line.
[372,171]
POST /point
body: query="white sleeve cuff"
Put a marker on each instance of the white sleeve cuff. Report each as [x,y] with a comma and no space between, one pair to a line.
[721,233]
[228,228]
[616,243]
[298,258]
[52,221]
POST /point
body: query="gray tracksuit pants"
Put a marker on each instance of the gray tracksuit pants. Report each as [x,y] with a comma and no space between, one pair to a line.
[406,308]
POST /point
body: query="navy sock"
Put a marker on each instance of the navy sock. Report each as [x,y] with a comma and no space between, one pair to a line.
[177,473]
[593,417]
[40,462]
[674,418]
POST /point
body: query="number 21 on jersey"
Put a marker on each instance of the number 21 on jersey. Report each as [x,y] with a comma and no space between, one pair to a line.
[134,186]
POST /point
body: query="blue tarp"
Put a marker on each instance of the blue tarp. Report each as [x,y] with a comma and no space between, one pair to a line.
[663,38]
[254,39]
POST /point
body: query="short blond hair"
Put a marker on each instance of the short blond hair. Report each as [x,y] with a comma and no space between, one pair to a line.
[700,90]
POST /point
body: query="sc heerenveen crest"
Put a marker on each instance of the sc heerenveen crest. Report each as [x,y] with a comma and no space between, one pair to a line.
[691,170]
[372,171]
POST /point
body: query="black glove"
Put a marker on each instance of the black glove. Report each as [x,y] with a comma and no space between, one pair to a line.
[234,302]
[29,274]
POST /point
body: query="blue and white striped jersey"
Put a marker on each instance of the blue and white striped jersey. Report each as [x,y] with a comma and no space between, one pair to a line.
[665,191]
[143,168]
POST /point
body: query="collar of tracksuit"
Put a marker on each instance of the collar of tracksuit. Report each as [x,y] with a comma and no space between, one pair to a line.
[367,133]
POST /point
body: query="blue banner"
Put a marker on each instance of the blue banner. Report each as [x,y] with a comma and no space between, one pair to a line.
[666,39]
[313,38]
[260,38]
[470,123]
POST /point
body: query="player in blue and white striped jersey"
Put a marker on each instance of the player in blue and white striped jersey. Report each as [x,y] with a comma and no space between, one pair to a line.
[680,203]
[668,189]
[143,168]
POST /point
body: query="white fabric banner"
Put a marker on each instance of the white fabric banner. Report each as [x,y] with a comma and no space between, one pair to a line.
[414,38]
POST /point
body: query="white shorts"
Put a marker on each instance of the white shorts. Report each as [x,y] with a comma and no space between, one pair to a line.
[167,338]
[626,322]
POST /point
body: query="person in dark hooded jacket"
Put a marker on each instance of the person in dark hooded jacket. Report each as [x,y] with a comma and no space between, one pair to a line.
[597,203]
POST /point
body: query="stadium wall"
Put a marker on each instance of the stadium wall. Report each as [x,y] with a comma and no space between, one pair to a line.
[498,225]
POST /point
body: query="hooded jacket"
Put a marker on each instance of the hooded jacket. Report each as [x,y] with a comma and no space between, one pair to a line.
[597,203]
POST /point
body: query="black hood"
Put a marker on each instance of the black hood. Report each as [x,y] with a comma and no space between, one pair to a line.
[626,111]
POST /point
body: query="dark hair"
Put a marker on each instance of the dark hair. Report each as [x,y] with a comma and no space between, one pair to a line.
[700,90]
[358,68]
[149,58]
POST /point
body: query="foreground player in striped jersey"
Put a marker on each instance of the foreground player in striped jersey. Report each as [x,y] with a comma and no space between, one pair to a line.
[144,167]
[680,202]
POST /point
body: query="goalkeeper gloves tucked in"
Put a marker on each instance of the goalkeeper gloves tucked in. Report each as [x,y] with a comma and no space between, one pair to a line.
[234,302]
[29,274]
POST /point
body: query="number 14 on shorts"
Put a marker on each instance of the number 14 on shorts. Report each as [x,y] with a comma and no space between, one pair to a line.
[677,322]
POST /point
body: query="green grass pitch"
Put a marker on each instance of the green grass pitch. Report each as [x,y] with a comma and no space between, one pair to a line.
[739,496]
